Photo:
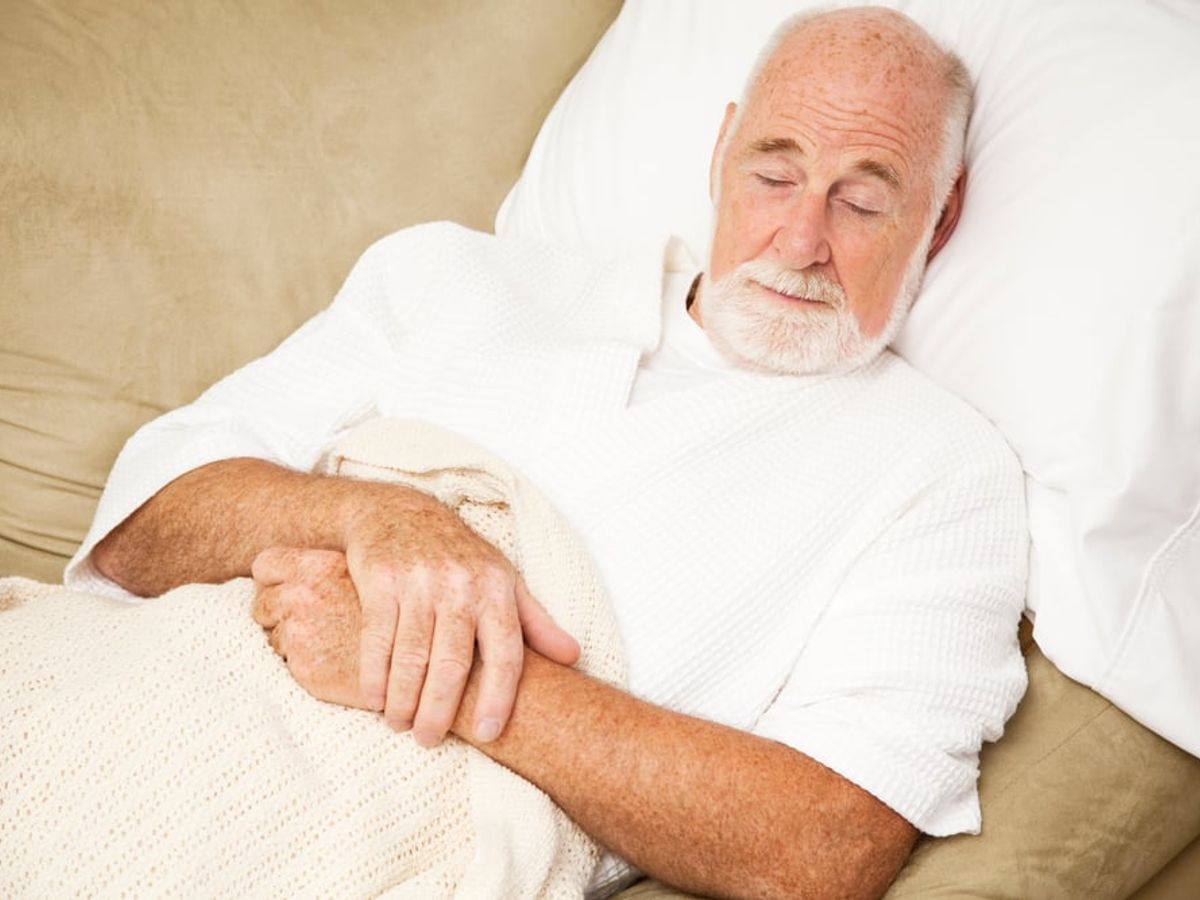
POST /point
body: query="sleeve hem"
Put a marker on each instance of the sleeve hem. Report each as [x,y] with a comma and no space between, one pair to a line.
[905,786]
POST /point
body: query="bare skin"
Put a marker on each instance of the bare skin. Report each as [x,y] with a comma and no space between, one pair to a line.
[702,806]
[430,587]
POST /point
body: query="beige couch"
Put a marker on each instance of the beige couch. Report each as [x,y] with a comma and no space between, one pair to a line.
[185,183]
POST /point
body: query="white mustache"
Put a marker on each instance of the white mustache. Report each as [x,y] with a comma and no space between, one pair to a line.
[792,282]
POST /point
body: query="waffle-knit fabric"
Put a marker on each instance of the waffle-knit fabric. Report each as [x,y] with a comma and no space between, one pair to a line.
[834,562]
[164,749]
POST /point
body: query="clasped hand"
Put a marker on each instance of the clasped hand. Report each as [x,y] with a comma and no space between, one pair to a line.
[393,623]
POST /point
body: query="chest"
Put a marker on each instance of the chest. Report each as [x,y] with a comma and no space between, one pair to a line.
[721,520]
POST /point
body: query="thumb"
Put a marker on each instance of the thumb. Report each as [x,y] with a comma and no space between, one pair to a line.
[542,633]
[275,565]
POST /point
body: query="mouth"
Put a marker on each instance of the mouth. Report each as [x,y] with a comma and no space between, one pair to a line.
[789,298]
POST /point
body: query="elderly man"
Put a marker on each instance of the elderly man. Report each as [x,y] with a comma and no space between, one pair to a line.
[816,558]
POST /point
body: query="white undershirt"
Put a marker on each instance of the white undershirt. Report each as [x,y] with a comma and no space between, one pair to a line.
[684,357]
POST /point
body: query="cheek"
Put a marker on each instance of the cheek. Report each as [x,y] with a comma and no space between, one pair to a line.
[741,233]
[871,277]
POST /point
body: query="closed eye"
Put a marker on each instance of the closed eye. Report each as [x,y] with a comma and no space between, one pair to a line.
[860,210]
[771,182]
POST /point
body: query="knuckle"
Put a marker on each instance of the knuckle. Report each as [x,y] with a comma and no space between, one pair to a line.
[380,579]
[301,635]
[376,642]
[499,576]
[496,584]
[408,663]
[300,667]
[304,596]
[261,562]
[496,591]
[327,561]
[259,611]
[505,636]
[506,668]
[452,578]
[449,670]
[457,611]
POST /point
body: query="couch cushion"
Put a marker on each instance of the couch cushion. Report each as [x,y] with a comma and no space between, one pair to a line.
[184,183]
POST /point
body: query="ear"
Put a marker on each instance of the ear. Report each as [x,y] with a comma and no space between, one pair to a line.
[949,218]
[714,175]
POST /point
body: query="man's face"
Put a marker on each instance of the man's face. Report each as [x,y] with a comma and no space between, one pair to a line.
[823,197]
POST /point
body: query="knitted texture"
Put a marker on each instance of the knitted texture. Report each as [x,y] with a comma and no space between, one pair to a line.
[164,748]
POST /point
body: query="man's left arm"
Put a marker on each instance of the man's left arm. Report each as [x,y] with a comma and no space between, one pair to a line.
[911,666]
[703,806]
[709,808]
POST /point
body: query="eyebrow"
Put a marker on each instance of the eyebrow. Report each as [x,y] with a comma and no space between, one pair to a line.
[872,167]
[882,171]
[777,145]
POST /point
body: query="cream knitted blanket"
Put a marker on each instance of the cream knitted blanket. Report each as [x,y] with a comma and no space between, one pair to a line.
[163,748]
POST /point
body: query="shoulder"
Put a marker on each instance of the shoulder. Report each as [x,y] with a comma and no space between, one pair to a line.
[544,286]
[437,244]
[429,243]
[930,419]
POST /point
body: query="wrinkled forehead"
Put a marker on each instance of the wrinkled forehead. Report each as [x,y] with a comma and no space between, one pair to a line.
[855,75]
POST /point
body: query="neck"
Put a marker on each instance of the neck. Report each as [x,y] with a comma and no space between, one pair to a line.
[692,307]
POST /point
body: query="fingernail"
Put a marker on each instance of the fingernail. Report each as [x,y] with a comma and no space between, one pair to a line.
[427,741]
[487,730]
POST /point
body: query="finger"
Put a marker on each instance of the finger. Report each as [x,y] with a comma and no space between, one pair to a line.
[502,656]
[450,659]
[276,565]
[409,660]
[266,609]
[278,641]
[379,617]
[541,632]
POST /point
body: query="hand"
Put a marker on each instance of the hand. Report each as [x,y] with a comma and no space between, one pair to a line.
[430,590]
[306,601]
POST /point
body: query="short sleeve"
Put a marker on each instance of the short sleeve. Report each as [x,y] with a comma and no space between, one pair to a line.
[915,662]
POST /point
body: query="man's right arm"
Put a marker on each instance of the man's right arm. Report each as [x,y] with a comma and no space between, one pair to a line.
[196,494]
[430,587]
[210,523]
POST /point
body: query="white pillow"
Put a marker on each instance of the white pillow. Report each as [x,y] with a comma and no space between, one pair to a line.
[1066,308]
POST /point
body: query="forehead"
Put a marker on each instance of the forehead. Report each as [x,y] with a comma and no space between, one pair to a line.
[869,94]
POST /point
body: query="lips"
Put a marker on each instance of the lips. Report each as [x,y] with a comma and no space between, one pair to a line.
[789,298]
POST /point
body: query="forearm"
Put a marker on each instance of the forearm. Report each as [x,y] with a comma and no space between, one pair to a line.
[209,524]
[702,806]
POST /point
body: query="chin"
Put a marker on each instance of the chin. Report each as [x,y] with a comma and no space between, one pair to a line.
[760,330]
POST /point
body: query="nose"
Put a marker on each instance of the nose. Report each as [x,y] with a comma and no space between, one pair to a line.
[802,239]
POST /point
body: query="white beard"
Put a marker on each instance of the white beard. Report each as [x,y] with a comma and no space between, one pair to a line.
[756,331]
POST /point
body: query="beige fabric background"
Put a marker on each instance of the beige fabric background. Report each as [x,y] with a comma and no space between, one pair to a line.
[184,183]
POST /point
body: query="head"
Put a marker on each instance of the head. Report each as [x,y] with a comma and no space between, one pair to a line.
[835,180]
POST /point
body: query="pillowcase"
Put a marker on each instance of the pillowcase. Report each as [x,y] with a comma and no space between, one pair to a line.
[1066,308]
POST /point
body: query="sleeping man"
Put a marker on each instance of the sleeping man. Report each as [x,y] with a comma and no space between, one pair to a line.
[815,557]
